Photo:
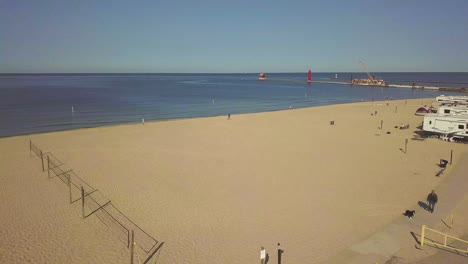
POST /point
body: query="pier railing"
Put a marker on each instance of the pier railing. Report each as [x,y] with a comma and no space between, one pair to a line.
[93,202]
[436,240]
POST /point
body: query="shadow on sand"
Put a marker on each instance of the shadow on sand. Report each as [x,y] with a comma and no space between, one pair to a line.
[423,205]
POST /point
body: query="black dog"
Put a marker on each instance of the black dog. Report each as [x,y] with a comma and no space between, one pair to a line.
[409,214]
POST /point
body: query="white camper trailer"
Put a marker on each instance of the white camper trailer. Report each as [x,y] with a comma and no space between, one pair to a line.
[455,125]
[453,110]
[455,100]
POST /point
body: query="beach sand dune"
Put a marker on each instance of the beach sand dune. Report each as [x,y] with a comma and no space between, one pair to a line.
[216,190]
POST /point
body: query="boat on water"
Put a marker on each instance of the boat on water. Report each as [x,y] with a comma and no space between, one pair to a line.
[262,77]
[309,76]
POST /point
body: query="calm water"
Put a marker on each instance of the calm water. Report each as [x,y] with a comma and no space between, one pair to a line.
[42,103]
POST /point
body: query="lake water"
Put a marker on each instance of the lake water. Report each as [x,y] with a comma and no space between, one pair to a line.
[43,102]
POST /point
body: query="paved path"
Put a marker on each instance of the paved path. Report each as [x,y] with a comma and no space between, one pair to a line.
[443,256]
[381,246]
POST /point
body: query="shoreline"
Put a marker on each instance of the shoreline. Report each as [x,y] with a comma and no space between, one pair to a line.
[213,116]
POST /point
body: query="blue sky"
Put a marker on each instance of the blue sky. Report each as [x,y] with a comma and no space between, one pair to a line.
[232,36]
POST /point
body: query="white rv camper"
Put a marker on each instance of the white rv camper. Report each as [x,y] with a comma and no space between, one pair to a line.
[455,100]
[453,110]
[454,125]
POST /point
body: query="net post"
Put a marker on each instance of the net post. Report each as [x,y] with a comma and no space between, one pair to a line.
[69,187]
[132,246]
[42,161]
[30,143]
[128,239]
[48,165]
[451,155]
[82,201]
[423,228]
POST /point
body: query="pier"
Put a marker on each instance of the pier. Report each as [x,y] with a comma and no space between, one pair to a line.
[449,89]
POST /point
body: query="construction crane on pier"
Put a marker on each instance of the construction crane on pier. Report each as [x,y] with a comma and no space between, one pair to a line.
[371,79]
[363,66]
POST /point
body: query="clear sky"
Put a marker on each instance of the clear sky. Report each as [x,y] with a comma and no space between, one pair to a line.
[232,36]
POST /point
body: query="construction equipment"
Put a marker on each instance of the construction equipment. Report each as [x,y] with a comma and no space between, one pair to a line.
[363,66]
[371,79]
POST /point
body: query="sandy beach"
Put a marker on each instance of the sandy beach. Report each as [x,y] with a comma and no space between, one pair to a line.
[216,190]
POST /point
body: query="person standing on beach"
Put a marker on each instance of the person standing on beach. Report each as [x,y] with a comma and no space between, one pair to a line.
[229,116]
[262,255]
[280,252]
[432,200]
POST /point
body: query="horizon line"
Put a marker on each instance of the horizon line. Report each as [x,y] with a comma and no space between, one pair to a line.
[335,72]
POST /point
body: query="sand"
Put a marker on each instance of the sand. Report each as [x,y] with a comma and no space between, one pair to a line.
[216,190]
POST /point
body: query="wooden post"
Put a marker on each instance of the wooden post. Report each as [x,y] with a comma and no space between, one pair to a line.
[69,187]
[132,246]
[451,155]
[451,221]
[42,161]
[381,124]
[30,143]
[48,166]
[423,228]
[406,144]
[82,200]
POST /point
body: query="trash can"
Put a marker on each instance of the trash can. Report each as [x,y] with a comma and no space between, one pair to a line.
[443,163]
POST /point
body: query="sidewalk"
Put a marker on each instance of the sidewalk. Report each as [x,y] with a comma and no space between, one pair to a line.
[443,256]
[381,246]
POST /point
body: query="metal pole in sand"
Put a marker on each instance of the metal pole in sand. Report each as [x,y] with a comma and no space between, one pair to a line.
[69,187]
[42,161]
[423,229]
[48,166]
[82,201]
[132,246]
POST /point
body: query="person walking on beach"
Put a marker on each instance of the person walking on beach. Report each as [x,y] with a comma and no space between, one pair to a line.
[432,200]
[229,116]
[280,252]
[262,255]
